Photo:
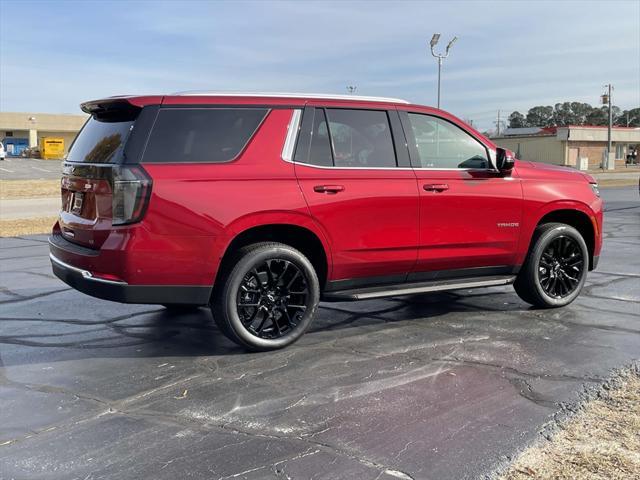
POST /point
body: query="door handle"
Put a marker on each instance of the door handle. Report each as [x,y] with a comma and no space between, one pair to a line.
[436,187]
[331,189]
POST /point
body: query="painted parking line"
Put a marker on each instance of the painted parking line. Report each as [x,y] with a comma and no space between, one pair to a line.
[41,169]
[5,170]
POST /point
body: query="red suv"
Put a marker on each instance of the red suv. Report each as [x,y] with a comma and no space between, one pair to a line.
[261,205]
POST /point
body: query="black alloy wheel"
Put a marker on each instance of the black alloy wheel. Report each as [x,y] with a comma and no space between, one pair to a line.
[266,296]
[272,298]
[561,267]
[556,266]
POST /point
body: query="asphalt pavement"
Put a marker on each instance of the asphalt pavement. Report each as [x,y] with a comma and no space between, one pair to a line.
[440,386]
[17,168]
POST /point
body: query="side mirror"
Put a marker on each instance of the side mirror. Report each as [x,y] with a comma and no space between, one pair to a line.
[504,160]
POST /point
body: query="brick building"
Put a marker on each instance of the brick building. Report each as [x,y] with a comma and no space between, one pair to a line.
[575,146]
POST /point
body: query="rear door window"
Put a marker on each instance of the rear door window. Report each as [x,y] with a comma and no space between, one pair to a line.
[201,135]
[361,138]
[346,138]
[315,147]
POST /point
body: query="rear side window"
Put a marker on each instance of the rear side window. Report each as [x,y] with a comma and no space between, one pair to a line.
[201,135]
[100,141]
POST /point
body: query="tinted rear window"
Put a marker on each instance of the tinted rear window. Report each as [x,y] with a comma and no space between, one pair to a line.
[361,138]
[315,147]
[203,135]
[100,142]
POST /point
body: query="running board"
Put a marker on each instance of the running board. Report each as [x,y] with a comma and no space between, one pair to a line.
[412,288]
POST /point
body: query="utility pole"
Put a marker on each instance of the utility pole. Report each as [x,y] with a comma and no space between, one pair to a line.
[610,125]
[606,100]
[498,125]
[440,56]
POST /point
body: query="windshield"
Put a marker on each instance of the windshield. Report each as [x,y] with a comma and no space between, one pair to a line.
[100,142]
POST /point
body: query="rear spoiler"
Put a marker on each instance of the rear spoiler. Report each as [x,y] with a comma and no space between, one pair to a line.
[118,108]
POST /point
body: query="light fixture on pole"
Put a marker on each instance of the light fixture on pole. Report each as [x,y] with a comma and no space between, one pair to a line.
[440,56]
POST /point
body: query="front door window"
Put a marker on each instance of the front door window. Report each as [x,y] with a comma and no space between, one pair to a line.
[441,144]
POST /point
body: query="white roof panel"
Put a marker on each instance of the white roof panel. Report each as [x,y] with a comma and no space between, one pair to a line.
[324,96]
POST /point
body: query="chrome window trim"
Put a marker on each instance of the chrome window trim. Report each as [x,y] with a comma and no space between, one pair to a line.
[293,130]
[292,135]
[85,273]
[392,168]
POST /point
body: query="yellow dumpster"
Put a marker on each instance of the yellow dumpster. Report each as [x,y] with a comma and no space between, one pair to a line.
[52,147]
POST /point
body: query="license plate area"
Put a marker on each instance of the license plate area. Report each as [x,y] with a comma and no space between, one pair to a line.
[76,203]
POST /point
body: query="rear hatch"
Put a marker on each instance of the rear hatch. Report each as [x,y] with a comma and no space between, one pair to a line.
[102,186]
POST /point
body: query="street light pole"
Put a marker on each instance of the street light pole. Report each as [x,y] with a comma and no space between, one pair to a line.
[440,56]
[439,76]
[609,164]
[610,125]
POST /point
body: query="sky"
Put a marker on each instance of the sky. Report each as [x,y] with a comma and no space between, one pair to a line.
[510,55]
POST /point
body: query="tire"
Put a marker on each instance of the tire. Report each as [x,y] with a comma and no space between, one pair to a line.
[257,303]
[557,279]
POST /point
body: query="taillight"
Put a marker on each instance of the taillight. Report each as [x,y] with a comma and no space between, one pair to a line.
[131,191]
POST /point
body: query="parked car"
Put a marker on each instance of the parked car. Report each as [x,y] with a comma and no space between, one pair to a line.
[31,152]
[3,153]
[261,205]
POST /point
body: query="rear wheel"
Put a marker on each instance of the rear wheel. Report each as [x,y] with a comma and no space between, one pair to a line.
[556,267]
[267,297]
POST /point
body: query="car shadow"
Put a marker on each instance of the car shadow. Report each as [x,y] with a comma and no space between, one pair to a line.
[416,308]
[158,332]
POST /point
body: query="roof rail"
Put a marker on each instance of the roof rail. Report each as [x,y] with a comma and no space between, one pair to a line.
[327,96]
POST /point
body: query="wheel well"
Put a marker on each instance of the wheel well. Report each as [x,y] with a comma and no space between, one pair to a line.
[299,238]
[578,220]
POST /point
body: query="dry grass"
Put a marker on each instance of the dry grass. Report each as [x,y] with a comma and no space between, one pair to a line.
[30,226]
[29,188]
[601,442]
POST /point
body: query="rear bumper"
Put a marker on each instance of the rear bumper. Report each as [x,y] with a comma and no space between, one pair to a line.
[118,291]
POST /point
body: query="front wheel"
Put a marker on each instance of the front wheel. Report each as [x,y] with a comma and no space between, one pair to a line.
[267,297]
[556,267]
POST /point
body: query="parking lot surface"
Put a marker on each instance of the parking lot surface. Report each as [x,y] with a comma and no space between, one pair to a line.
[439,386]
[17,168]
